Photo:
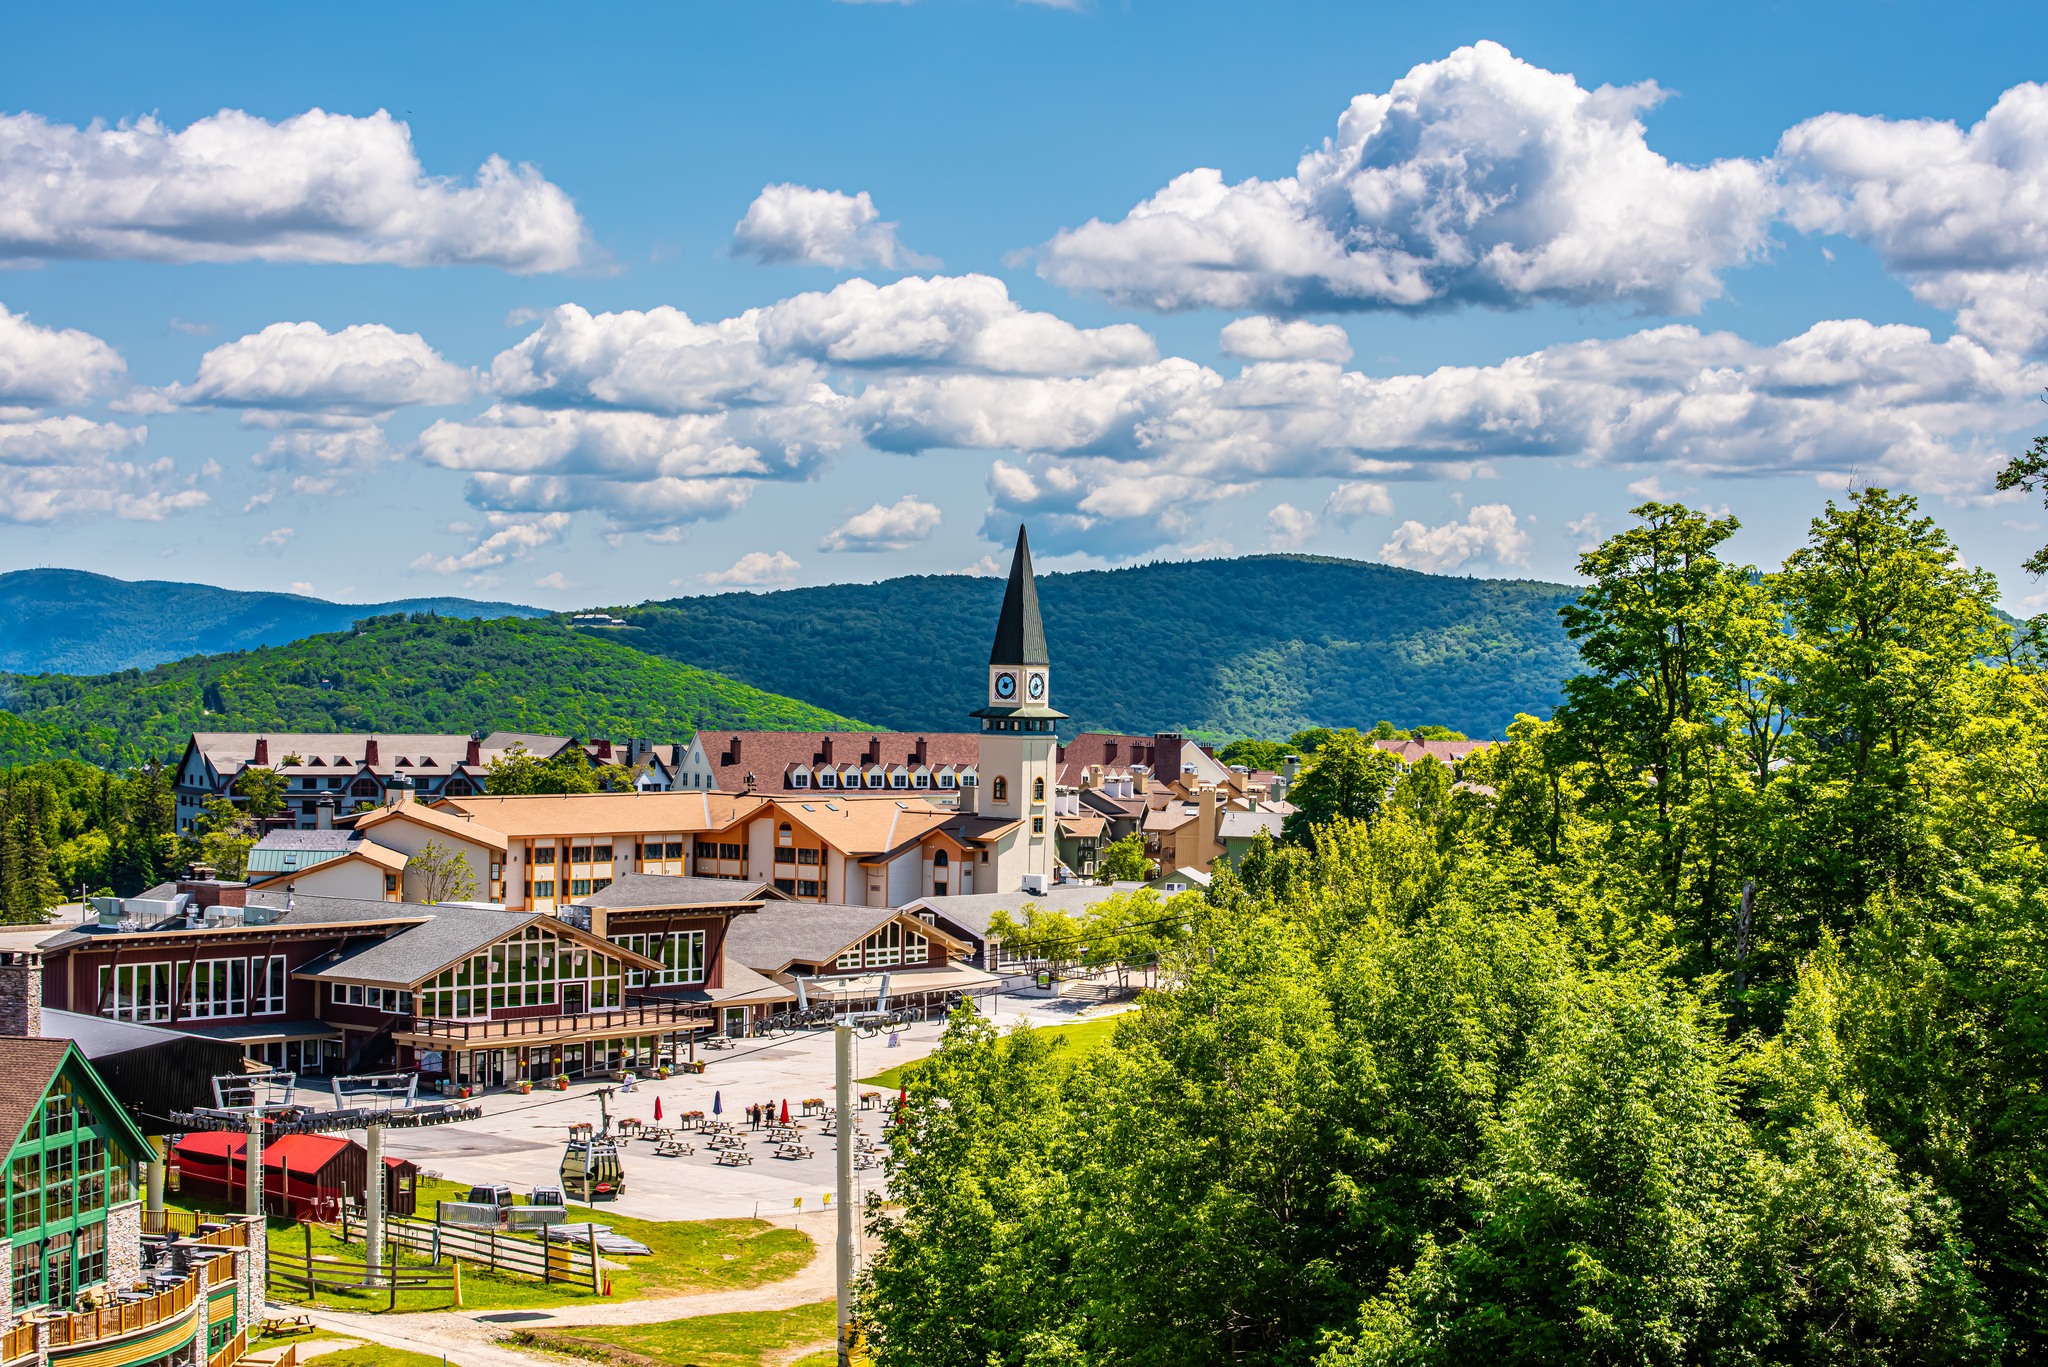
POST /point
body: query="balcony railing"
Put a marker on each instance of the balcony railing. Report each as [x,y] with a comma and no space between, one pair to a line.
[126,1317]
[430,1032]
[18,1343]
[184,1224]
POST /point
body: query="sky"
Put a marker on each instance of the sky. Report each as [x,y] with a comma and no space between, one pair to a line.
[585,307]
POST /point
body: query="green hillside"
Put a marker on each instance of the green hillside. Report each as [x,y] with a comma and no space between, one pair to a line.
[1265,645]
[392,674]
[80,623]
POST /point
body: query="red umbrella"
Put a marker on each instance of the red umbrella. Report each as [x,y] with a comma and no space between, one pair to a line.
[902,1102]
[785,1111]
[657,1110]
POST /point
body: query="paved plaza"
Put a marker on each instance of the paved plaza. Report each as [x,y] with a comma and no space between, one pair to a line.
[519,1140]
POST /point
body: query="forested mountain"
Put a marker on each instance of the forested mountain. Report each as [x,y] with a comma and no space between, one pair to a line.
[392,674]
[1260,646]
[82,623]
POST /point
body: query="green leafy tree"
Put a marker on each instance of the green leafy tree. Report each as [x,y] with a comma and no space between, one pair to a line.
[517,771]
[225,835]
[261,790]
[2028,471]
[1348,781]
[1124,861]
[442,872]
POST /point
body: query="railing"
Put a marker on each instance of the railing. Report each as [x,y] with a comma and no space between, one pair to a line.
[626,1020]
[220,1270]
[231,1351]
[123,1318]
[184,1224]
[18,1343]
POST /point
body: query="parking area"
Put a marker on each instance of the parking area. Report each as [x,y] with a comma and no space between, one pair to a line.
[519,1140]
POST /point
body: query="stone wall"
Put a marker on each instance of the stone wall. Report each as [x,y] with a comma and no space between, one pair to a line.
[124,1244]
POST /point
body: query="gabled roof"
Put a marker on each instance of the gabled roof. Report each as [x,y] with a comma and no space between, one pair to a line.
[448,935]
[29,1066]
[771,756]
[972,911]
[1247,825]
[437,818]
[1083,827]
[366,852]
[784,933]
[635,813]
[229,752]
[1020,635]
[1444,751]
[865,826]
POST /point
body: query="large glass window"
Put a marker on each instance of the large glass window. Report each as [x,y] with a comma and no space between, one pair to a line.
[269,976]
[92,1253]
[680,953]
[217,987]
[28,1275]
[25,1193]
[891,945]
[136,992]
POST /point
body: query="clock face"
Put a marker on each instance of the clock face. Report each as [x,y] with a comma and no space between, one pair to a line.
[1006,685]
[1037,686]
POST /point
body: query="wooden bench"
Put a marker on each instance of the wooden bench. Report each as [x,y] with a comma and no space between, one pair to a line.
[793,1151]
[280,1325]
[735,1158]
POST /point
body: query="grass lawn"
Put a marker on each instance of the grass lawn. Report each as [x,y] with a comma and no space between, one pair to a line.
[748,1339]
[692,1255]
[1082,1037]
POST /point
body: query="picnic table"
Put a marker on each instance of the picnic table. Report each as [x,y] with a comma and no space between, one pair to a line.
[794,1151]
[782,1134]
[865,1160]
[719,1041]
[733,1158]
[725,1142]
[288,1324]
[673,1148]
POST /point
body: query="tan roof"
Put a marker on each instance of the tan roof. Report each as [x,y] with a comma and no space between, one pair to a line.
[867,825]
[1444,751]
[436,818]
[603,813]
[369,852]
[1083,827]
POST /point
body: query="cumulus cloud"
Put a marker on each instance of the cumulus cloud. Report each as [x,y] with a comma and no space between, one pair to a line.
[317,187]
[1475,179]
[1289,527]
[1359,498]
[1961,215]
[505,538]
[884,527]
[794,225]
[57,468]
[42,366]
[755,569]
[275,540]
[1260,338]
[1585,531]
[1489,532]
[300,374]
[555,580]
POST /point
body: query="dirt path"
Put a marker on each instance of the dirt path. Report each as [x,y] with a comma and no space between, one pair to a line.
[470,1338]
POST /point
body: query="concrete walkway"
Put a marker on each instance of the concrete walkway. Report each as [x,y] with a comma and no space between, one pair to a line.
[471,1338]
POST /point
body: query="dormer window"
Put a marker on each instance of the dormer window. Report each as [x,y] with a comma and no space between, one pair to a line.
[826,779]
[874,778]
[924,780]
[800,779]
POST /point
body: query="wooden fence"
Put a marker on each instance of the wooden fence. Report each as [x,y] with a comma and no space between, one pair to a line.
[231,1352]
[122,1318]
[545,1261]
[18,1343]
[303,1275]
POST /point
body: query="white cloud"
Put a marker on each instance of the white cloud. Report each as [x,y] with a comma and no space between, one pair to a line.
[1260,338]
[317,187]
[1585,531]
[275,540]
[57,468]
[1489,532]
[794,225]
[1476,179]
[304,586]
[1652,489]
[1289,527]
[300,374]
[506,538]
[891,527]
[755,569]
[556,581]
[41,366]
[1961,215]
[1355,499]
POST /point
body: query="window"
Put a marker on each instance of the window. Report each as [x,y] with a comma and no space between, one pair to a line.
[807,887]
[28,1275]
[924,780]
[945,780]
[874,778]
[680,953]
[268,975]
[59,1188]
[391,882]
[544,854]
[91,1247]
[1000,792]
[807,856]
[355,994]
[600,884]
[899,780]
[1038,790]
[544,887]
[706,850]
[1038,825]
[787,885]
[785,856]
[136,992]
[675,849]
[785,834]
[800,779]
[92,1173]
[580,854]
[25,1196]
[729,851]
[215,988]
[941,860]
[579,887]
[600,854]
[892,944]
[827,779]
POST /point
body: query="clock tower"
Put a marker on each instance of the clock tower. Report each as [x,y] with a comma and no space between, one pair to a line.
[1015,771]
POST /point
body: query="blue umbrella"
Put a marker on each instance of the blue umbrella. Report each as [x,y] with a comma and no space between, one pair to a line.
[718,1103]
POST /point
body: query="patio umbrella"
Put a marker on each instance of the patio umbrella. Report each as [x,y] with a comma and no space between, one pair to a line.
[718,1103]
[657,1110]
[785,1111]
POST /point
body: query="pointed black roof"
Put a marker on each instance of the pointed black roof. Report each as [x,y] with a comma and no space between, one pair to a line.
[1020,636]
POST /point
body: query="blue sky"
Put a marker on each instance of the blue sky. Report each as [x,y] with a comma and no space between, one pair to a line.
[1745,257]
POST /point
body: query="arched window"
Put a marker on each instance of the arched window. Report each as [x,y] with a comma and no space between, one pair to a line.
[1001,792]
[1038,790]
[784,835]
[940,861]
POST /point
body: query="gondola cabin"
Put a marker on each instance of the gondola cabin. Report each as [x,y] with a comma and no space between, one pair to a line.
[591,1170]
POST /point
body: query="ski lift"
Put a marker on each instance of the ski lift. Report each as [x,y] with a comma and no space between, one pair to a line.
[590,1164]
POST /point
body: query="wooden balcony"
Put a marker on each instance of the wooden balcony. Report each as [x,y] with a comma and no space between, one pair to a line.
[123,1318]
[18,1342]
[426,1032]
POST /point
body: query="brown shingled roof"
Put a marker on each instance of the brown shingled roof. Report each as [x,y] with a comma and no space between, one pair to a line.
[770,755]
[26,1068]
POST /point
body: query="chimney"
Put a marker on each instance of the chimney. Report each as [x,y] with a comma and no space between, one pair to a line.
[732,752]
[919,757]
[398,792]
[475,753]
[323,819]
[825,751]
[370,752]
[874,749]
[1109,752]
[604,751]
[206,891]
[262,750]
[21,993]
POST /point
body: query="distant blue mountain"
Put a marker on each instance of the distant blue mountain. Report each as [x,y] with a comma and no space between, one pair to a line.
[72,622]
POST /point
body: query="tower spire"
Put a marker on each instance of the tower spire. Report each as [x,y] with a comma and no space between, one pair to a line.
[1020,635]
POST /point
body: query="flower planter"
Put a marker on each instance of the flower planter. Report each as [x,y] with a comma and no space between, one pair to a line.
[525,1088]
[561,1084]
